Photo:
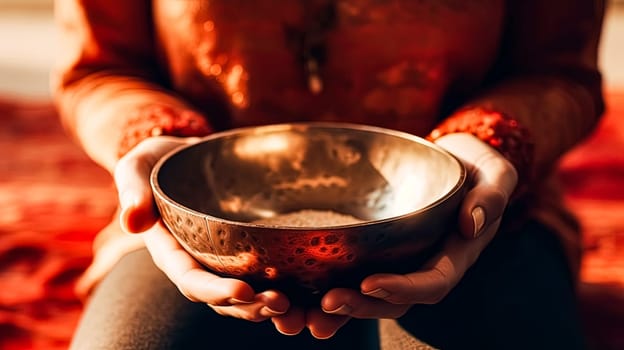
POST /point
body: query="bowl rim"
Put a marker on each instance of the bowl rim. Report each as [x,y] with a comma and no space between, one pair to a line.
[158,191]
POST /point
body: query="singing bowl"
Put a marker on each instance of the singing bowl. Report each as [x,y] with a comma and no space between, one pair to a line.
[404,190]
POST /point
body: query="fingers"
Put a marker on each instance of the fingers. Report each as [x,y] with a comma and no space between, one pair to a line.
[432,283]
[494,180]
[391,295]
[349,302]
[290,323]
[266,305]
[482,206]
[189,276]
[132,178]
[320,324]
[227,296]
[323,325]
[104,260]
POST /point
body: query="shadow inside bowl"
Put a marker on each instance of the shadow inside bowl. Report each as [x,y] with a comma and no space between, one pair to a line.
[218,198]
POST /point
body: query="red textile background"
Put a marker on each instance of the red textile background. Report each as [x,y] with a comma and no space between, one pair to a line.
[593,178]
[54,200]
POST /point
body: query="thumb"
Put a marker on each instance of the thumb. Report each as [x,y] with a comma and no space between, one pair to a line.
[493,179]
[132,178]
[483,205]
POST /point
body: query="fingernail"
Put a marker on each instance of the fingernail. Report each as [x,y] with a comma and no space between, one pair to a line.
[478,219]
[235,301]
[287,333]
[128,200]
[343,309]
[284,332]
[322,337]
[377,293]
[268,312]
[123,218]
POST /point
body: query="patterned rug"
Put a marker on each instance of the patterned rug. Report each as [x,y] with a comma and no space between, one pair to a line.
[54,200]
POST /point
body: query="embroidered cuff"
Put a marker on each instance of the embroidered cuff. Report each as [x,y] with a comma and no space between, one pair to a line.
[498,130]
[161,120]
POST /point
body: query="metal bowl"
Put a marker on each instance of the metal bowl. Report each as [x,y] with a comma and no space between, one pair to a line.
[215,195]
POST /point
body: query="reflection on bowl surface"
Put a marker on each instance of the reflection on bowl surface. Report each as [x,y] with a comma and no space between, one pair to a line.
[263,203]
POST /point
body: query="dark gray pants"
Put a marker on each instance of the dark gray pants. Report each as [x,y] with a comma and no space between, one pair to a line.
[517,296]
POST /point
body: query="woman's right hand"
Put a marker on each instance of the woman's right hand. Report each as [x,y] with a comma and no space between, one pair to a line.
[227,296]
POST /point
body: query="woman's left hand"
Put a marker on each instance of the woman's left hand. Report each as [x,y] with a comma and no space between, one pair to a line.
[493,180]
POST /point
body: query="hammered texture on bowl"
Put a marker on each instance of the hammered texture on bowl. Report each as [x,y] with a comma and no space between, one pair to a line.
[215,197]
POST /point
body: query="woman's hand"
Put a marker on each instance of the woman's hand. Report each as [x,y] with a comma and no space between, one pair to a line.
[227,296]
[493,180]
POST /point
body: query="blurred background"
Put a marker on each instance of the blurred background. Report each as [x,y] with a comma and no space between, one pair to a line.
[27,44]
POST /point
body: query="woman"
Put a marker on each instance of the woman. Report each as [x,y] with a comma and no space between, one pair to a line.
[506,86]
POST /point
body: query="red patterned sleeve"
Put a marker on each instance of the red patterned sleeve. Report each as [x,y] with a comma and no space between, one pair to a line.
[106,81]
[161,121]
[498,130]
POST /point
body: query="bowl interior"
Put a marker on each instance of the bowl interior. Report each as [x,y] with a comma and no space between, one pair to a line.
[256,173]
